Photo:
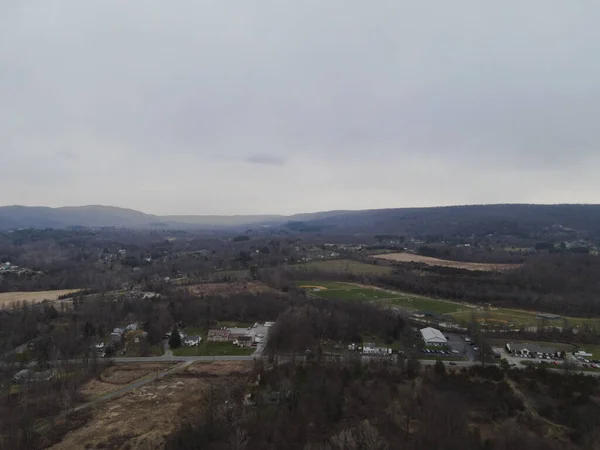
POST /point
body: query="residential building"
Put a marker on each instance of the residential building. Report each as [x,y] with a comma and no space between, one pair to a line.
[218,335]
[244,341]
[27,375]
[192,340]
[237,332]
[369,348]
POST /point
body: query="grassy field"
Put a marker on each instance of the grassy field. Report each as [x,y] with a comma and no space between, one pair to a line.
[518,318]
[356,292]
[458,312]
[7,298]
[213,349]
[343,266]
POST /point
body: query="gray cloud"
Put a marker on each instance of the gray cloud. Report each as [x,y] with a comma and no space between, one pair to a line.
[157,106]
[270,160]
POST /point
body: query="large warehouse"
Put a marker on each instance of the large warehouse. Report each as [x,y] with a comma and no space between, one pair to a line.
[433,336]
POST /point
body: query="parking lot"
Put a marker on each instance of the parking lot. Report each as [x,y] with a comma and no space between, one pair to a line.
[455,347]
[519,360]
[457,342]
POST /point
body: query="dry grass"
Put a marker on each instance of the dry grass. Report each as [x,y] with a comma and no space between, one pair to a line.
[142,418]
[117,376]
[7,298]
[347,266]
[235,287]
[410,257]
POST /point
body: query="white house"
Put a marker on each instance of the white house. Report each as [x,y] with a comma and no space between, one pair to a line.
[191,341]
[433,336]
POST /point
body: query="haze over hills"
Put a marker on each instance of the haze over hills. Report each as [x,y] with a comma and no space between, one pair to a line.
[477,219]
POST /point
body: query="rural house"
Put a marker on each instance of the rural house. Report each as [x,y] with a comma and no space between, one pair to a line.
[238,332]
[244,341]
[218,335]
[192,340]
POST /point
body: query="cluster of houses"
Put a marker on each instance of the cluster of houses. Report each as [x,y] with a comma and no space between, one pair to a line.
[370,348]
[117,334]
[8,268]
[243,337]
[30,376]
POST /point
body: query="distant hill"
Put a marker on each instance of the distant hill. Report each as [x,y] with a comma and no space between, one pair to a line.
[511,219]
[87,216]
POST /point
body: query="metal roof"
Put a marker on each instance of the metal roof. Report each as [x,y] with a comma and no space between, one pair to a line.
[432,335]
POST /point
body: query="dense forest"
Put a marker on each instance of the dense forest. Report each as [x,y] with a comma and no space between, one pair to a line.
[346,406]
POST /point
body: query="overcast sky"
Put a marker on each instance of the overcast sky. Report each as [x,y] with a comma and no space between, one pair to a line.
[270,106]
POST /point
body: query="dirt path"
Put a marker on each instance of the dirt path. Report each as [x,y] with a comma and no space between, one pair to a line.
[47,423]
[529,408]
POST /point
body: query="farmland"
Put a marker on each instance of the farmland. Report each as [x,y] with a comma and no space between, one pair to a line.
[411,257]
[357,292]
[347,266]
[8,298]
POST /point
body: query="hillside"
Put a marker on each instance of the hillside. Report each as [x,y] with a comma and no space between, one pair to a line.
[517,220]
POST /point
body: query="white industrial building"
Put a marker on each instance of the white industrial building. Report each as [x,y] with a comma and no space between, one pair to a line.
[433,336]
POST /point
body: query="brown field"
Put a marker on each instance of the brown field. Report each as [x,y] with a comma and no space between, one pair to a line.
[6,298]
[235,287]
[117,376]
[142,418]
[410,257]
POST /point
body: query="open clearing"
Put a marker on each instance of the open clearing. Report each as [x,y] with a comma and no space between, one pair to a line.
[343,266]
[411,257]
[7,298]
[229,288]
[117,376]
[143,417]
[458,312]
[516,318]
[351,291]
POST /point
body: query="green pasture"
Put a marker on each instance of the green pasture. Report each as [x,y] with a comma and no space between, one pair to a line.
[349,291]
[517,318]
[457,312]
